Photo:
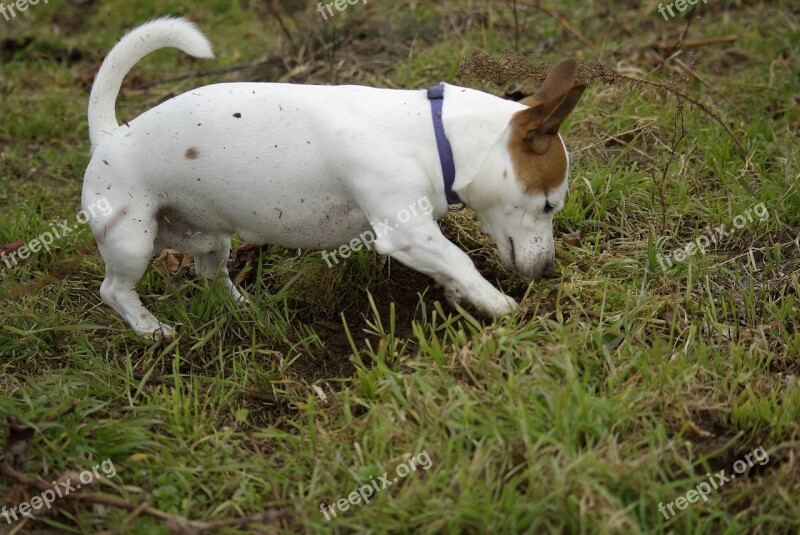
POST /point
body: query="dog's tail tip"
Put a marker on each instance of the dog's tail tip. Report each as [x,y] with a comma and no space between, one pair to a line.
[166,32]
[170,31]
[189,38]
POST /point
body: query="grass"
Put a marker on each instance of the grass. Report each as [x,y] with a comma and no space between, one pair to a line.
[618,387]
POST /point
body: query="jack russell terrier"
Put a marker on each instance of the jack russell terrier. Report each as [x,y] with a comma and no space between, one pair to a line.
[311,167]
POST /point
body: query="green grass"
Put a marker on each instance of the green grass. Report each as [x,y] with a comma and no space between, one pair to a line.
[617,387]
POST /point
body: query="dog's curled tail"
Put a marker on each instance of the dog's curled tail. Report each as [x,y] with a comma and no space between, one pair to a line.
[161,33]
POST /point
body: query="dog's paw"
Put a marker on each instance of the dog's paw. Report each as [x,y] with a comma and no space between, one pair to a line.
[161,334]
[453,296]
[499,305]
[240,298]
[490,302]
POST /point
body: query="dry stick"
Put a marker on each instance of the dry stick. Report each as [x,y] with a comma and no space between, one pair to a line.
[680,41]
[698,42]
[741,150]
[610,76]
[708,84]
[275,13]
[501,71]
[561,20]
[689,21]
[686,44]
[712,41]
[516,24]
[20,527]
[60,271]
[684,96]
[6,250]
[677,137]
[332,55]
[174,521]
[208,72]
[51,276]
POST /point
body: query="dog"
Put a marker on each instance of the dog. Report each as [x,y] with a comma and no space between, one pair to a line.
[312,167]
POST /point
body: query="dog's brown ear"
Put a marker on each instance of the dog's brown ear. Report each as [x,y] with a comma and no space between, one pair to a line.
[567,103]
[558,82]
[554,101]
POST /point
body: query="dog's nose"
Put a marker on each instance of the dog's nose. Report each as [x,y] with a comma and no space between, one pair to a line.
[549,271]
[543,270]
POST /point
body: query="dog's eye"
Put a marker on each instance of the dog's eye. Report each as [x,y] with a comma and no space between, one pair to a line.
[548,207]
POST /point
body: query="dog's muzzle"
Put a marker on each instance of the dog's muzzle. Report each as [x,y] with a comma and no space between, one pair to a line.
[536,268]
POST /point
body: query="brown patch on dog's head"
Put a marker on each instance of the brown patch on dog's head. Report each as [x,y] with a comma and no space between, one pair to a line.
[191,153]
[539,158]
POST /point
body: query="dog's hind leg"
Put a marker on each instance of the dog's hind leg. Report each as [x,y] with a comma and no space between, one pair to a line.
[210,251]
[212,263]
[127,251]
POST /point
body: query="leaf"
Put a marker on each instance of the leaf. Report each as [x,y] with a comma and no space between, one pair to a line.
[573,238]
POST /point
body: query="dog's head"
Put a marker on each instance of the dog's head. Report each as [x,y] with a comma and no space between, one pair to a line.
[526,177]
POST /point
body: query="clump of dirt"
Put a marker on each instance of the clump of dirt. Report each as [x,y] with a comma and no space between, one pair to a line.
[396,287]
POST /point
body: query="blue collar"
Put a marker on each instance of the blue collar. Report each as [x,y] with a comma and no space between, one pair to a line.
[436,96]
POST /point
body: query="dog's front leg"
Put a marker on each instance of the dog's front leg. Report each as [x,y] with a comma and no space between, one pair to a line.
[420,245]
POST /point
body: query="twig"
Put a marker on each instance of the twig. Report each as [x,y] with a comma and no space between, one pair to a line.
[54,275]
[332,55]
[11,247]
[689,21]
[275,13]
[177,524]
[20,527]
[708,42]
[695,102]
[209,72]
[561,20]
[517,66]
[677,137]
[516,24]
[708,84]
[740,148]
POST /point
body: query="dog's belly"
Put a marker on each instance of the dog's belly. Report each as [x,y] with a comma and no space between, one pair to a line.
[322,225]
[307,224]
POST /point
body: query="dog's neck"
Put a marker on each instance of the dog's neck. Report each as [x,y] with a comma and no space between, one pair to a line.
[475,123]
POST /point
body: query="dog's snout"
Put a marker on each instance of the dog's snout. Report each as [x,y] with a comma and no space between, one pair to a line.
[545,269]
[549,271]
[531,264]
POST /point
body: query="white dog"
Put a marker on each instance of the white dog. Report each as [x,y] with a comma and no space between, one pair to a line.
[313,167]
